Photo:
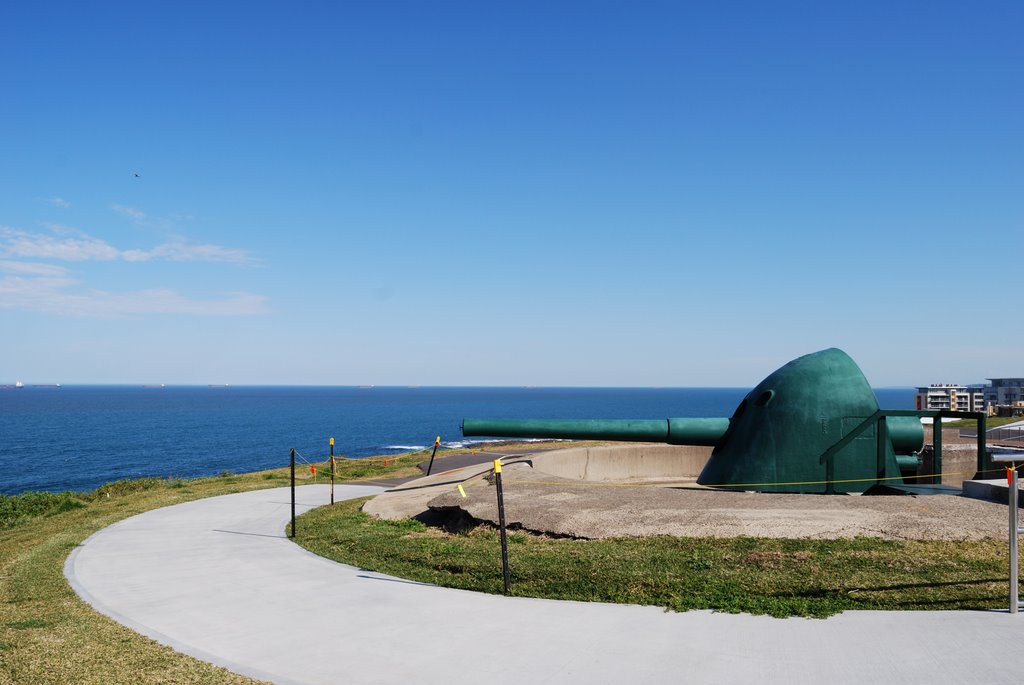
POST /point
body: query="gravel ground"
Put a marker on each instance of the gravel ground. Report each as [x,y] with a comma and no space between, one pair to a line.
[565,507]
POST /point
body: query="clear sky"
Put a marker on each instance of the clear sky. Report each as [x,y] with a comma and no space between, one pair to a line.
[514,193]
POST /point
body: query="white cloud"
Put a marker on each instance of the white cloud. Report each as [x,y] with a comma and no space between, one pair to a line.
[186,252]
[130,212]
[53,293]
[82,247]
[51,288]
[59,202]
[59,229]
[15,243]
[32,269]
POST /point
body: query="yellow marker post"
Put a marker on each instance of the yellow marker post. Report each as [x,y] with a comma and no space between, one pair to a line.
[332,470]
[461,491]
[437,443]
[501,527]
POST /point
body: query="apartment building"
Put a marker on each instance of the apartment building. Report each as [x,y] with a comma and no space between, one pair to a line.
[1005,392]
[951,397]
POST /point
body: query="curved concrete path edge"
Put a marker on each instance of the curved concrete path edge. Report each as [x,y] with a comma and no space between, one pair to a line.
[218,579]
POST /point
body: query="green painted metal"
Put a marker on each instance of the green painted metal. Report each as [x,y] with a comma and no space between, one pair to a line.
[794,416]
[672,431]
[779,436]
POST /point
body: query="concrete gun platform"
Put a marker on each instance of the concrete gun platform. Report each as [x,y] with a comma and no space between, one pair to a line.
[218,579]
[644,490]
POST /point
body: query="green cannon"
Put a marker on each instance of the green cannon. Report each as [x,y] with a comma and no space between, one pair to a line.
[811,426]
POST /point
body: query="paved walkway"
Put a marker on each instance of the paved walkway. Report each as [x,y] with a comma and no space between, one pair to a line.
[217,579]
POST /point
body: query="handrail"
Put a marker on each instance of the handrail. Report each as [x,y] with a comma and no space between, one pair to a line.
[1000,433]
[878,418]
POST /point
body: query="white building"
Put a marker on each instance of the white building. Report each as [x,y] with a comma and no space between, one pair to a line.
[950,397]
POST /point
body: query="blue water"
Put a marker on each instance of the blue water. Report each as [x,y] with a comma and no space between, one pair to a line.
[80,437]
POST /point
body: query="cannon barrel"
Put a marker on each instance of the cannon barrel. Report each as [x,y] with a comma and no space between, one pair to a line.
[905,433]
[672,431]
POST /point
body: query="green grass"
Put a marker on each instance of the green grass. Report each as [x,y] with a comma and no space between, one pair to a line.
[23,508]
[755,575]
[49,636]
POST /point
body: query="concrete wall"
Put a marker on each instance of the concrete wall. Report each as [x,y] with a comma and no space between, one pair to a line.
[959,462]
[643,461]
[959,457]
[624,462]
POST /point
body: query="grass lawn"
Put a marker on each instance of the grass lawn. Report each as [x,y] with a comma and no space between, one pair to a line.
[756,575]
[48,635]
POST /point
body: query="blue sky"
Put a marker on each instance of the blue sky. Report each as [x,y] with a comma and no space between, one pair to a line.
[591,193]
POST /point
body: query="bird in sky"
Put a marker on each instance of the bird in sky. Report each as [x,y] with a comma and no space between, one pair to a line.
[138,175]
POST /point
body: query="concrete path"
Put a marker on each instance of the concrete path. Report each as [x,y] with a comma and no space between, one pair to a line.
[218,579]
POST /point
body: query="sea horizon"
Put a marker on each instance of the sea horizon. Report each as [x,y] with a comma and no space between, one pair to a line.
[80,436]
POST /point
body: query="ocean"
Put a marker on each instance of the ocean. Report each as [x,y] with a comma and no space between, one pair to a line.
[80,437]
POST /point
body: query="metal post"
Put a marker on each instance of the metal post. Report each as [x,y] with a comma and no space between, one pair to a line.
[293,492]
[332,470]
[1014,534]
[984,463]
[501,526]
[881,429]
[937,448]
[437,441]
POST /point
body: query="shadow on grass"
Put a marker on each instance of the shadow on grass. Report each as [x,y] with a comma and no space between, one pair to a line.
[914,586]
[864,594]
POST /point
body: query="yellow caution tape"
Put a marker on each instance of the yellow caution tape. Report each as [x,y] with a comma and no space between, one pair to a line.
[749,485]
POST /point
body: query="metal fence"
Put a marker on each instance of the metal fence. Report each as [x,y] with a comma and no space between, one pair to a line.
[996,434]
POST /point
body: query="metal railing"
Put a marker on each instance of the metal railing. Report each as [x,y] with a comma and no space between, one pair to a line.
[291,462]
[878,420]
[996,434]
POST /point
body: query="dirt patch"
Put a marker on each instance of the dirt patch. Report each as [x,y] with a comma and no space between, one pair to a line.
[564,507]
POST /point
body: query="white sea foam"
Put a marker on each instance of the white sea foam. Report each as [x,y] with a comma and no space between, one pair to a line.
[461,444]
[458,444]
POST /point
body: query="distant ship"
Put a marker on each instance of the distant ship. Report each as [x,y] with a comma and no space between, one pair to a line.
[154,385]
[19,384]
[217,385]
